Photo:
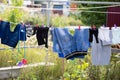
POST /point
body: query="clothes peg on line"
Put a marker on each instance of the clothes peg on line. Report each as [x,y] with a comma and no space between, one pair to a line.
[93,26]
[43,26]
[79,27]
[28,24]
[103,25]
[110,28]
[115,26]
[37,26]
[21,22]
[0,19]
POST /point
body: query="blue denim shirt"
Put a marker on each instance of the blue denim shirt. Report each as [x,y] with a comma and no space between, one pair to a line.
[11,38]
[64,43]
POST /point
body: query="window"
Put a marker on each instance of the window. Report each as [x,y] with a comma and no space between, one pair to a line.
[58,6]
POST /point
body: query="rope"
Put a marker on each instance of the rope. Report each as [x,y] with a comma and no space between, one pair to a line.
[82,2]
[23,7]
[101,12]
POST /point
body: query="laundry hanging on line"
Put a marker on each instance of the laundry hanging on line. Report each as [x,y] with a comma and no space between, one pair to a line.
[65,44]
[101,40]
[20,32]
[100,54]
[9,37]
[41,35]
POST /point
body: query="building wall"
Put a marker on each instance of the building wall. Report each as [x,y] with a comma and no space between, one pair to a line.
[113,18]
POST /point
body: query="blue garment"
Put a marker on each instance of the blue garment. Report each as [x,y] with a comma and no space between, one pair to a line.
[11,38]
[22,32]
[56,47]
[4,26]
[65,44]
[82,39]
[65,41]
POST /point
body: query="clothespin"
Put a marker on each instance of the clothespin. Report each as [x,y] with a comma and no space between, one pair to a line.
[43,26]
[19,63]
[22,23]
[115,26]
[28,24]
[93,26]
[0,19]
[110,28]
[37,26]
[50,25]
[103,25]
[24,61]
[79,27]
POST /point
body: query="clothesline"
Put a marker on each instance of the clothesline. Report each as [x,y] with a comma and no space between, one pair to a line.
[20,7]
[70,27]
[15,23]
[76,10]
[98,12]
[82,2]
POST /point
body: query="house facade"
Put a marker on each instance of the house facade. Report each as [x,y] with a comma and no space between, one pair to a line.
[61,7]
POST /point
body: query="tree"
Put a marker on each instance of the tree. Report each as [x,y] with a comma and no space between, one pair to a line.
[93,18]
[15,14]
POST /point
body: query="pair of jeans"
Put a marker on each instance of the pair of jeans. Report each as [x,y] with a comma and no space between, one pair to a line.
[65,44]
[82,39]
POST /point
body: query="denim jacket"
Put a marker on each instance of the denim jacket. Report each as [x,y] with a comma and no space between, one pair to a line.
[11,38]
[65,44]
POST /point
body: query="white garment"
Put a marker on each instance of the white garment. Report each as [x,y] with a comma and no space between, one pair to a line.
[116,35]
[105,35]
[100,54]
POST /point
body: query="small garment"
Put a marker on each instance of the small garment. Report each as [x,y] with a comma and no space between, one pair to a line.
[35,30]
[66,44]
[116,35]
[105,35]
[42,35]
[95,33]
[11,38]
[109,36]
[100,54]
[29,31]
